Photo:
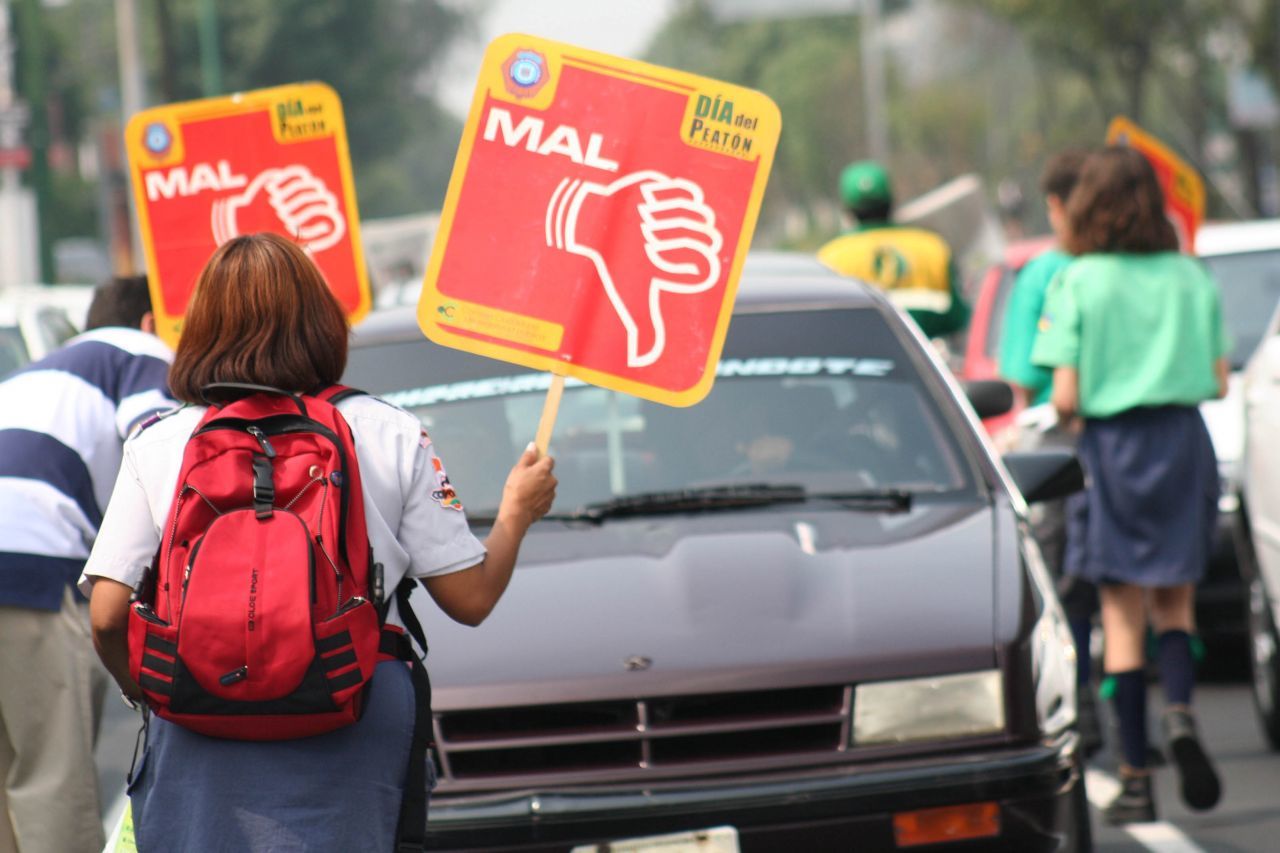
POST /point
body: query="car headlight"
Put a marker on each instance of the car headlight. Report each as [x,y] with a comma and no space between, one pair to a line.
[946,706]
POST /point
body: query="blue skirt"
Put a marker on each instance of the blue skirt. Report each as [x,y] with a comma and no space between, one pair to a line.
[335,792]
[1149,510]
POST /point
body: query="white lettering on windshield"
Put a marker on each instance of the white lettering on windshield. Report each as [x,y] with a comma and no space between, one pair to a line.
[504,386]
[874,367]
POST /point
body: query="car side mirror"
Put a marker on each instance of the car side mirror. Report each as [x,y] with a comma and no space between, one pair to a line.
[989,397]
[1045,475]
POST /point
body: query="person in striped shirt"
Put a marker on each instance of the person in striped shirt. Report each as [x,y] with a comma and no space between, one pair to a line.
[63,421]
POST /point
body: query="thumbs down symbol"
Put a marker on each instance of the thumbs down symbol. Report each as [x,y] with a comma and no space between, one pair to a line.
[289,200]
[680,241]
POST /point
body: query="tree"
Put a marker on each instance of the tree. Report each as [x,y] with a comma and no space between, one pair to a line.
[1112,46]
[809,66]
[378,54]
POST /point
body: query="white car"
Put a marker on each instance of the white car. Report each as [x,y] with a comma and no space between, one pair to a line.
[1247,265]
[35,319]
[1244,259]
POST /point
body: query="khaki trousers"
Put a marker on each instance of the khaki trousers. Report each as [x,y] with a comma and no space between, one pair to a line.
[50,701]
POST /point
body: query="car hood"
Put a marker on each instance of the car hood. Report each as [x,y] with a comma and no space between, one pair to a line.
[726,601]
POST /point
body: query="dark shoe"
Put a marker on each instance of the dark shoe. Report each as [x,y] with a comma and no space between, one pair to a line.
[1087,720]
[1201,788]
[1134,803]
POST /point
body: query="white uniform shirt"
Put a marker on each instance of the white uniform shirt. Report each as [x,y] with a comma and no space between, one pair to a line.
[413,533]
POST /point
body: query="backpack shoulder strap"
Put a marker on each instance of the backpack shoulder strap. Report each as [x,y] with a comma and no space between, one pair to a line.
[335,394]
[410,831]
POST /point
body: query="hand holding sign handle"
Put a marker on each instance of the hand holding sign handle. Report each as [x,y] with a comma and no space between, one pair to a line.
[290,200]
[680,240]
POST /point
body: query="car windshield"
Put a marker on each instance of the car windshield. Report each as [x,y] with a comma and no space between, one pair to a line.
[1250,283]
[826,401]
[13,352]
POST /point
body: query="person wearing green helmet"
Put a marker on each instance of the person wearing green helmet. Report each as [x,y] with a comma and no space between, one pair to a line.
[912,265]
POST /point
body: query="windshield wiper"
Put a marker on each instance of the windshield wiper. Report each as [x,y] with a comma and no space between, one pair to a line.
[692,500]
[870,500]
[738,496]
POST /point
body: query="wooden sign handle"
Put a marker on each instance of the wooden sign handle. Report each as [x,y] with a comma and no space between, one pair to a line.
[549,411]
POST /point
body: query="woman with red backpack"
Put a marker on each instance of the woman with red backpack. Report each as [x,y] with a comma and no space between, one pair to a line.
[249,580]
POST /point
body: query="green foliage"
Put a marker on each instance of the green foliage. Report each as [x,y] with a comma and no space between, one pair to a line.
[374,53]
[378,54]
[809,66]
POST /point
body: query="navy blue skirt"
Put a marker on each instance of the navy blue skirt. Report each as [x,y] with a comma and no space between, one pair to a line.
[335,792]
[1148,513]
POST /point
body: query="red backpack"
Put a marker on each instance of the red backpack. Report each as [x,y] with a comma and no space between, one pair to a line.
[261,617]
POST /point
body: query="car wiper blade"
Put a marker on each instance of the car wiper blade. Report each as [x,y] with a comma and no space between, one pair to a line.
[693,500]
[736,496]
[872,500]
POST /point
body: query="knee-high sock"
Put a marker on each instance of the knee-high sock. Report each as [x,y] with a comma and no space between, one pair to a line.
[1081,629]
[1131,710]
[1177,667]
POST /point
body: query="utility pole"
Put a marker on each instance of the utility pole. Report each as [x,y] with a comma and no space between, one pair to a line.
[33,79]
[210,56]
[18,258]
[131,102]
[872,51]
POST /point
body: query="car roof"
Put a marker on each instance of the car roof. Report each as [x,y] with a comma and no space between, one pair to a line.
[1229,238]
[770,280]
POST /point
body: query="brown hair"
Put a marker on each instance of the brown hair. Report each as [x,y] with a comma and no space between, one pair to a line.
[261,314]
[123,301]
[1061,173]
[1117,206]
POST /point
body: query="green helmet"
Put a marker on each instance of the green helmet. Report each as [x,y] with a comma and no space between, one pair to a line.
[865,184]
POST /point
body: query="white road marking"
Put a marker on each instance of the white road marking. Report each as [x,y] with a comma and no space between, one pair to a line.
[1160,836]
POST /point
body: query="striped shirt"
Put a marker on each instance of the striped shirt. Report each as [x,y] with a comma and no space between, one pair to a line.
[63,421]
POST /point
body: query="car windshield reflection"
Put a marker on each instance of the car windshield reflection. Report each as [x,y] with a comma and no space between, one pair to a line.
[828,412]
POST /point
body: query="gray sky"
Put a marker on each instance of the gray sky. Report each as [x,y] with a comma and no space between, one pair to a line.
[621,27]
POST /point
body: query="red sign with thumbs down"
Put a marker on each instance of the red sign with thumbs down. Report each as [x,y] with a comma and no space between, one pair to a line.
[598,217]
[270,160]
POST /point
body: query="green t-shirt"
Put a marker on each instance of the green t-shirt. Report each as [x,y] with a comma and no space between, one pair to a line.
[1141,329]
[1021,317]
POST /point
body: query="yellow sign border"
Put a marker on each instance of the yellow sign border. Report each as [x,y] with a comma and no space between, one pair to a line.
[557,54]
[169,326]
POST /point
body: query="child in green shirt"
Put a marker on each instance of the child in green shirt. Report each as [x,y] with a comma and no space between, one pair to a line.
[1133,332]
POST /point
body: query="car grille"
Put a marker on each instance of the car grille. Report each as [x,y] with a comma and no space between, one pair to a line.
[624,740]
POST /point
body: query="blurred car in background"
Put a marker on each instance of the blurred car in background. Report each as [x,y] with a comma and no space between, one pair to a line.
[805,613]
[990,299]
[1244,259]
[1258,392]
[35,319]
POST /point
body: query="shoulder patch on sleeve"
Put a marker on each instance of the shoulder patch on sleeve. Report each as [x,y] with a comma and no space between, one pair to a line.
[443,493]
[156,418]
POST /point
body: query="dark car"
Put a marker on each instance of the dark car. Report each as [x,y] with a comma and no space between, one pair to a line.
[803,614]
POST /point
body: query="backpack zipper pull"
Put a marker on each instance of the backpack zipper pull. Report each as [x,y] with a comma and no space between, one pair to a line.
[234,676]
[262,440]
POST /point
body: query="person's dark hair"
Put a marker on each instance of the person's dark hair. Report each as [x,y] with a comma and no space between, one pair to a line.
[1117,206]
[879,211]
[123,301]
[261,314]
[1061,173]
